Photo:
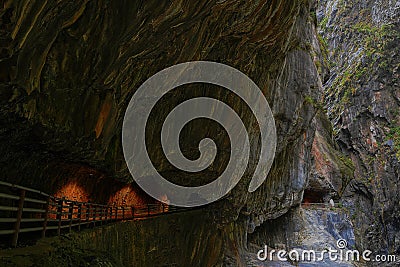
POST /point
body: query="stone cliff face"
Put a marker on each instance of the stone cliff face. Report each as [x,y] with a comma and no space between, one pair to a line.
[362,98]
[68,70]
[304,229]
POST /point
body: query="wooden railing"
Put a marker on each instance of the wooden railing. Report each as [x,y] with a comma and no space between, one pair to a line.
[24,210]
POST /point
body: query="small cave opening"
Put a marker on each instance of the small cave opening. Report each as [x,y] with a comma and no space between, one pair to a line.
[313,197]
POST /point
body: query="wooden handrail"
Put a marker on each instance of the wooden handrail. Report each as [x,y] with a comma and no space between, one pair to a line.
[23,188]
[41,212]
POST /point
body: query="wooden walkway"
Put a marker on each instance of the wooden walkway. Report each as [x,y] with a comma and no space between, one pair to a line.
[24,210]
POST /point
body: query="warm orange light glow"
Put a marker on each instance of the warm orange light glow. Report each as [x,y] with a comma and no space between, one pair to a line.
[126,196]
[73,191]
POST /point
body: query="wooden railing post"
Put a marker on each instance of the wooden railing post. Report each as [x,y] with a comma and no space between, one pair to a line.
[133,212]
[94,214]
[87,213]
[98,214]
[70,213]
[116,213]
[60,204]
[46,216]
[105,210]
[19,217]
[148,209]
[123,213]
[79,216]
[101,214]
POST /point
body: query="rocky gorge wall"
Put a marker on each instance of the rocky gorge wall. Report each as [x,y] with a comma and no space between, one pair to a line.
[362,99]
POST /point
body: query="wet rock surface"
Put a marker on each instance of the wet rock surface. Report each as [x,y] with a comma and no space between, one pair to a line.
[316,229]
[73,67]
[362,101]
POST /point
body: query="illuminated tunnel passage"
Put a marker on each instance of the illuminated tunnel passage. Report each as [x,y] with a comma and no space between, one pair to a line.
[104,192]
[313,197]
[85,184]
